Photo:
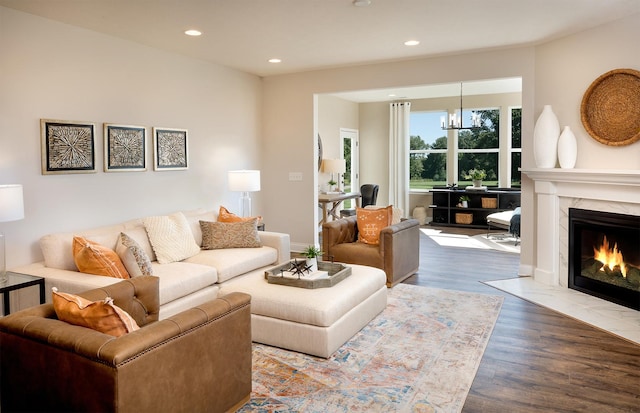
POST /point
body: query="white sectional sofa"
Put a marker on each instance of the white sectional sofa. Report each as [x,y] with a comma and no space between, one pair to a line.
[183,284]
[313,321]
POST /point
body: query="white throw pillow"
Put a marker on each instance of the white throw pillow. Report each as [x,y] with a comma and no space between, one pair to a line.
[171,237]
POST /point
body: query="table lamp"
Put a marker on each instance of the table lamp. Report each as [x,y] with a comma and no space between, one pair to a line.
[11,209]
[244,181]
[337,166]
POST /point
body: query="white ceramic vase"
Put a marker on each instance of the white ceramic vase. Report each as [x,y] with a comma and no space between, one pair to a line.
[313,262]
[545,139]
[567,149]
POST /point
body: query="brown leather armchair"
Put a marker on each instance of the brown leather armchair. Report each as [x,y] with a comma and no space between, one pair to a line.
[196,361]
[398,253]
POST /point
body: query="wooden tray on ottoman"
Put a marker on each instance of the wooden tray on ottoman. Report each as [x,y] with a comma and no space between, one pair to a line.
[336,272]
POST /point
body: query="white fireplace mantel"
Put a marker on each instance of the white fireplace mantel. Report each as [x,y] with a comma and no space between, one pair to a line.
[611,188]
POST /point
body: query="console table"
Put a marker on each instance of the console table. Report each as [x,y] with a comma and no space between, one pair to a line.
[445,205]
[334,200]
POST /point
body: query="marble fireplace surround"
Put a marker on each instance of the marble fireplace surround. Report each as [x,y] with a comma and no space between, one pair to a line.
[557,190]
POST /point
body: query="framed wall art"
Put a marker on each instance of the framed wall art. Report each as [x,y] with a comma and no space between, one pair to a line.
[125,148]
[67,147]
[170,149]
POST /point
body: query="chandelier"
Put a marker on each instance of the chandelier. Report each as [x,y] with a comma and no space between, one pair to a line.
[455,121]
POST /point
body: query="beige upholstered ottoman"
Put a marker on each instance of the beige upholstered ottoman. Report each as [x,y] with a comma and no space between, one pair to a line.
[313,321]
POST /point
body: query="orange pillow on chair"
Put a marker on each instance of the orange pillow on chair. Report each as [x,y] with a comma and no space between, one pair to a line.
[224,215]
[103,316]
[371,222]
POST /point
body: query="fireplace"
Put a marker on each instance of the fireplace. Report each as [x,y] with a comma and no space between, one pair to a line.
[604,255]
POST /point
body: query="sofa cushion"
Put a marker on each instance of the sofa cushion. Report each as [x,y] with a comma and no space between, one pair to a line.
[57,248]
[217,235]
[103,316]
[93,258]
[180,279]
[371,222]
[194,217]
[171,237]
[232,262]
[135,260]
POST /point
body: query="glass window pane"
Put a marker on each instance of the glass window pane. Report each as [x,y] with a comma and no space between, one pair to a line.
[485,137]
[427,170]
[516,161]
[516,123]
[486,161]
[425,127]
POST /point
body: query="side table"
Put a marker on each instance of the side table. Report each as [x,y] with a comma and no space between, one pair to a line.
[17,281]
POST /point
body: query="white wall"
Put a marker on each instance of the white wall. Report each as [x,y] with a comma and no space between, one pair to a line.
[56,71]
[333,113]
[566,68]
[289,121]
[564,71]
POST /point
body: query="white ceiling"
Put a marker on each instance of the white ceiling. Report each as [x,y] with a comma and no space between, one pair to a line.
[316,34]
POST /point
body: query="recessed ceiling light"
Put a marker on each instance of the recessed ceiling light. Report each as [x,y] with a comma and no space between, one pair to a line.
[361,3]
[411,43]
[193,32]
[275,60]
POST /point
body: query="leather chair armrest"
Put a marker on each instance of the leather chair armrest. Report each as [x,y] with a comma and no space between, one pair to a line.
[400,249]
[338,232]
[138,296]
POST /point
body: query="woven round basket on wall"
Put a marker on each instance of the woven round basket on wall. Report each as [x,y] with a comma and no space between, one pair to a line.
[610,109]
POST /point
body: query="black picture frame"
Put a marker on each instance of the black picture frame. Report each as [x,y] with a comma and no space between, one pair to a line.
[125,148]
[171,150]
[67,147]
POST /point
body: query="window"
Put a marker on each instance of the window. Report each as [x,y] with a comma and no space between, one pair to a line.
[516,146]
[427,151]
[479,148]
[430,152]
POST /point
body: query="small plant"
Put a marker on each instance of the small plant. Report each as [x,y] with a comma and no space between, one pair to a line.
[332,183]
[475,174]
[464,198]
[311,252]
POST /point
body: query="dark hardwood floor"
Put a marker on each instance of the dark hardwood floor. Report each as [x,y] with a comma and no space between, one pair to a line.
[537,360]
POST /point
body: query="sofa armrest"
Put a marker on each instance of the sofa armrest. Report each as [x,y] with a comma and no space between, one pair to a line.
[279,241]
[72,282]
[400,249]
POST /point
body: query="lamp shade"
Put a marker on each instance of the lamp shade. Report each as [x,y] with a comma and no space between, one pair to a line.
[11,203]
[244,181]
[335,166]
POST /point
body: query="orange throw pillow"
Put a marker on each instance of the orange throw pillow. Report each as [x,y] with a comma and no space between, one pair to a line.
[93,258]
[371,222]
[224,215]
[103,316]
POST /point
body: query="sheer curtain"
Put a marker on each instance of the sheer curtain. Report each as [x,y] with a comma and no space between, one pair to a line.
[399,155]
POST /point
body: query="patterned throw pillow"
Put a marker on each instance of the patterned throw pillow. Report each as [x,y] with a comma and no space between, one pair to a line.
[371,221]
[224,215]
[93,258]
[135,260]
[218,235]
[103,316]
[171,237]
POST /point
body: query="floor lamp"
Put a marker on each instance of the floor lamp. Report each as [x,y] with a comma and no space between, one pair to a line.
[244,181]
[11,209]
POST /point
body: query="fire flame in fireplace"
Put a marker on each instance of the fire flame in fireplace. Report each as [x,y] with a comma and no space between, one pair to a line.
[610,257]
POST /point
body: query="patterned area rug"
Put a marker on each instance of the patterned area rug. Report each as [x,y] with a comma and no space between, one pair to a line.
[419,355]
